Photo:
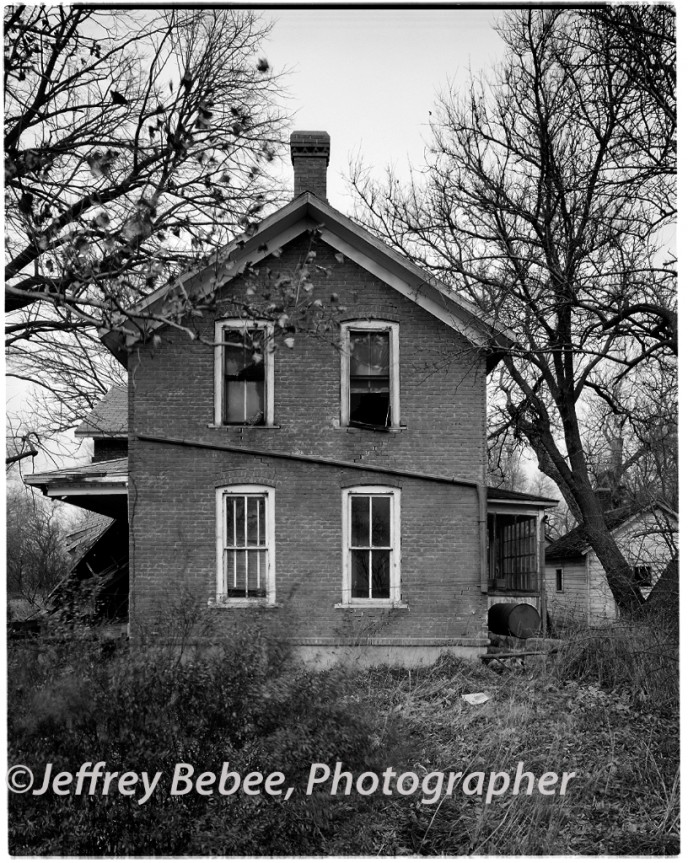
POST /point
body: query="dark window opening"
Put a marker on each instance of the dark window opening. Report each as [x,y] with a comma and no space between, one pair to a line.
[369,379]
[512,552]
[244,377]
[560,580]
[370,546]
[642,576]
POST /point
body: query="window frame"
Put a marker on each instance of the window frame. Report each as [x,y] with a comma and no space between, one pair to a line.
[394,599]
[221,495]
[392,329]
[559,579]
[221,326]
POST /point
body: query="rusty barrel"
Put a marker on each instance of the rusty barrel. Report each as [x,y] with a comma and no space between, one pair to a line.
[513,618]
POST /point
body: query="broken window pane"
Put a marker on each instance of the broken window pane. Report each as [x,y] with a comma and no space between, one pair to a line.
[369,392]
[244,376]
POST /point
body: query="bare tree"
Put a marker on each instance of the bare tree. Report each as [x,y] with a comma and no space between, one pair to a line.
[36,550]
[136,143]
[540,205]
[132,147]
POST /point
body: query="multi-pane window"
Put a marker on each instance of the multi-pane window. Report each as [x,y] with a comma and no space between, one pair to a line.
[245,543]
[513,551]
[370,374]
[371,544]
[243,373]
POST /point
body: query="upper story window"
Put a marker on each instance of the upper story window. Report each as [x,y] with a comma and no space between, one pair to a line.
[245,544]
[371,545]
[244,373]
[370,374]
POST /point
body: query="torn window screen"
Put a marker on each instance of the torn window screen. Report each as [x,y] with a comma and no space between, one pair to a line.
[244,377]
[369,388]
[246,555]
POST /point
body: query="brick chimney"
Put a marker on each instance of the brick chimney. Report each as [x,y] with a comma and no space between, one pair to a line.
[310,156]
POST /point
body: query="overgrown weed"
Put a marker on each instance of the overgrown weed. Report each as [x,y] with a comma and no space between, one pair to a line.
[591,710]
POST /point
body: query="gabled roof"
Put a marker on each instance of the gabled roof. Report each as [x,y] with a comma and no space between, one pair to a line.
[574,543]
[304,213]
[108,418]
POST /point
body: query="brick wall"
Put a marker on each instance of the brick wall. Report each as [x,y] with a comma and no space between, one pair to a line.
[172,496]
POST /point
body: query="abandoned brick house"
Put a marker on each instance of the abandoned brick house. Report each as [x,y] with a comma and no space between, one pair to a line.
[342,477]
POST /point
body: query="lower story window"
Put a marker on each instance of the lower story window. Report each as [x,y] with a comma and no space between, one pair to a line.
[371,545]
[246,543]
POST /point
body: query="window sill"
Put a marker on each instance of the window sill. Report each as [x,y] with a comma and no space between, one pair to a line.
[352,429]
[224,602]
[243,427]
[372,603]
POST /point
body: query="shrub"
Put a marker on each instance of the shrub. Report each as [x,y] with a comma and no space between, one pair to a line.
[72,703]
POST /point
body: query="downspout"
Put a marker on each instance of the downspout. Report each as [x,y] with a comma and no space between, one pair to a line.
[482,536]
[541,568]
[587,581]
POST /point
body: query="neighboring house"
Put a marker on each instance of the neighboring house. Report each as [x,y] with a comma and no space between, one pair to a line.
[577,588]
[338,476]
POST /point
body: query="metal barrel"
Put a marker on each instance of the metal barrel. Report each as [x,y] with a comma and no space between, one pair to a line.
[513,618]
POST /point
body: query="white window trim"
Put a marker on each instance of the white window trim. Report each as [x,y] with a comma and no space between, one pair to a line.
[237,324]
[221,598]
[394,600]
[378,326]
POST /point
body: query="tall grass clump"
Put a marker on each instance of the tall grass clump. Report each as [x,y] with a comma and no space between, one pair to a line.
[638,657]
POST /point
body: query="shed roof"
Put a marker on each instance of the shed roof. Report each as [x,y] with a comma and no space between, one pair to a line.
[575,544]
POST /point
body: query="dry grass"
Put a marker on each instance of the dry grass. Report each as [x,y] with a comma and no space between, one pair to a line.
[605,708]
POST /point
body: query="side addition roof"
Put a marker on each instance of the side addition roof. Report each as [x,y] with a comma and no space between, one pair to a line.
[504,496]
[99,487]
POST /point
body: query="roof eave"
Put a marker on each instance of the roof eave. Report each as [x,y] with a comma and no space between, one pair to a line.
[276,230]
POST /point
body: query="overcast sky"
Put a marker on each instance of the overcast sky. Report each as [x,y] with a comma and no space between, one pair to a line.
[370,77]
